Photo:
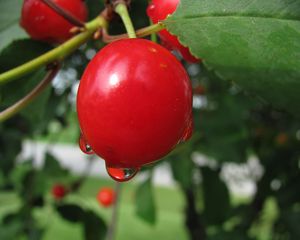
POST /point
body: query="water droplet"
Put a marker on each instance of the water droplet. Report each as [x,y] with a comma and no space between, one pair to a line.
[121,174]
[188,132]
[84,146]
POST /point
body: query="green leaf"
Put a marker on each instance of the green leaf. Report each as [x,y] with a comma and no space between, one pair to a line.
[94,7]
[10,11]
[52,167]
[232,235]
[10,142]
[288,224]
[145,204]
[14,55]
[224,130]
[94,226]
[216,197]
[182,169]
[71,212]
[11,231]
[34,185]
[255,43]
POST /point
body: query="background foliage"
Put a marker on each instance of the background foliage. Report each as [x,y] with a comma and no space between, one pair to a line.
[253,45]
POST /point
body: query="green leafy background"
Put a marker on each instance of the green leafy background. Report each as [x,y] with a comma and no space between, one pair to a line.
[254,43]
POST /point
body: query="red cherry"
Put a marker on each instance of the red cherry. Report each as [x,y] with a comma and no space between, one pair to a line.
[59,191]
[106,196]
[43,23]
[134,104]
[158,10]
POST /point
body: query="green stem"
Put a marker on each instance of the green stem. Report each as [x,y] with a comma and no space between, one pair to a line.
[121,9]
[18,106]
[56,54]
[150,29]
[153,35]
[139,33]
[111,232]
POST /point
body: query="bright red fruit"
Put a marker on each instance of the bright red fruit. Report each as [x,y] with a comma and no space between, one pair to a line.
[43,23]
[134,105]
[106,197]
[59,191]
[158,10]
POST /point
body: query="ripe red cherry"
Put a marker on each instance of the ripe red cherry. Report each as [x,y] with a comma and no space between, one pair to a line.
[158,10]
[43,23]
[134,105]
[106,197]
[59,191]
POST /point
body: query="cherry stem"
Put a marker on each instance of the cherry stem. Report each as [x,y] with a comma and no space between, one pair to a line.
[65,14]
[121,9]
[139,33]
[22,103]
[56,54]
[114,219]
[153,35]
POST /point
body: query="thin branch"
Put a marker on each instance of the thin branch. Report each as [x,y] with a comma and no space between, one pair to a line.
[139,33]
[114,219]
[65,14]
[56,54]
[121,9]
[22,103]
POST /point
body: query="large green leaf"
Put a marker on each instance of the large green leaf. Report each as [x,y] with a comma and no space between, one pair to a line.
[10,11]
[53,168]
[71,212]
[182,169]
[255,43]
[145,204]
[216,197]
[15,54]
[94,226]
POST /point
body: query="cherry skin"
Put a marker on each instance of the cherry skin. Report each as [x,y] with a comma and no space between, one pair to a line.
[134,103]
[43,23]
[158,10]
[59,191]
[106,196]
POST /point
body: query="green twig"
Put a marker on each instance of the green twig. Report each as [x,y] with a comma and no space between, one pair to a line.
[121,9]
[114,219]
[56,54]
[139,33]
[21,104]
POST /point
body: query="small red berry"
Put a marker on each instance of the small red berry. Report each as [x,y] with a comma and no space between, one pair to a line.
[43,23]
[134,105]
[106,197]
[281,139]
[158,10]
[199,90]
[59,191]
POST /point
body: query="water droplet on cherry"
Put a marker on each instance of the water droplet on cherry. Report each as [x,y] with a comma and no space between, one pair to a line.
[84,146]
[121,174]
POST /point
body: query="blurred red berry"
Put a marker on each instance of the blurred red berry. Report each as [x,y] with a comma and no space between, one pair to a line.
[106,196]
[59,191]
[281,139]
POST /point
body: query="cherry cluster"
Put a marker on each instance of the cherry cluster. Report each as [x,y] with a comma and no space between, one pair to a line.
[134,99]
